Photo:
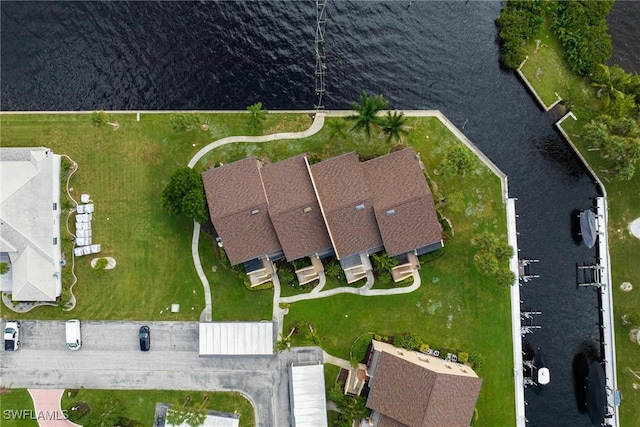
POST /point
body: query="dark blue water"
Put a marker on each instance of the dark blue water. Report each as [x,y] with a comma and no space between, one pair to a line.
[431,55]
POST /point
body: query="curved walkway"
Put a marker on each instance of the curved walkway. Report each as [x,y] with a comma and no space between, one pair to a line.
[47,403]
[364,290]
[317,124]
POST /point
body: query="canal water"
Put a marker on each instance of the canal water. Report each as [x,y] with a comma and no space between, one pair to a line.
[420,55]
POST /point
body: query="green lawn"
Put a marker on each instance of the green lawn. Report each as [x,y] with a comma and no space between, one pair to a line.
[125,172]
[456,308]
[624,206]
[17,399]
[139,405]
[549,74]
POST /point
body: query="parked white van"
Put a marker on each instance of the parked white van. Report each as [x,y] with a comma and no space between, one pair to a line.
[74,334]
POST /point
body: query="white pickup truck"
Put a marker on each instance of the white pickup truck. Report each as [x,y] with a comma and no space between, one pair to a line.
[12,335]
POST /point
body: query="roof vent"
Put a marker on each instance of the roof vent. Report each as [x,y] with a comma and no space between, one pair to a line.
[391,212]
[307,209]
[360,207]
[423,359]
[400,352]
[255,211]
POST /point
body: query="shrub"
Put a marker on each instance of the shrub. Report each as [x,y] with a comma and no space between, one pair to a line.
[4,268]
[99,118]
[463,357]
[184,122]
[286,276]
[424,347]
[360,347]
[632,318]
[477,361]
[410,341]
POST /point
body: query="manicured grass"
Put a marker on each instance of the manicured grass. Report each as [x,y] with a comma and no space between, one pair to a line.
[624,206]
[231,300]
[139,405]
[456,308]
[125,172]
[17,399]
[549,73]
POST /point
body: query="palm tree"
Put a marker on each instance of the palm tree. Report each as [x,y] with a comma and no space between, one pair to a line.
[611,82]
[257,114]
[367,110]
[394,126]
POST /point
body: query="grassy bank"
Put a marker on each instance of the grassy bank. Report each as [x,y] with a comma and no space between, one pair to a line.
[126,170]
[138,406]
[624,206]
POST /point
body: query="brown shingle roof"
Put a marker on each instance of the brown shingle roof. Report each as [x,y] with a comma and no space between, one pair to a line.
[233,192]
[403,203]
[342,187]
[294,209]
[418,397]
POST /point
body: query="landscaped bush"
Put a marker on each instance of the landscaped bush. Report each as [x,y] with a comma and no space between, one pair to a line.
[410,341]
[477,361]
[424,347]
[463,357]
[360,347]
[287,278]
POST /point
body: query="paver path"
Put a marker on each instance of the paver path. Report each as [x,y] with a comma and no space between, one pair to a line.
[46,403]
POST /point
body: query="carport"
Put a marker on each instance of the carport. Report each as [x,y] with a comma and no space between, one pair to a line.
[236,338]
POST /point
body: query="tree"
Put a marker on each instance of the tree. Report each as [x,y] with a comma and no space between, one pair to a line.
[383,263]
[367,110]
[185,122]
[581,27]
[457,160]
[256,114]
[505,277]
[4,268]
[333,269]
[394,126]
[99,118]
[611,82]
[185,195]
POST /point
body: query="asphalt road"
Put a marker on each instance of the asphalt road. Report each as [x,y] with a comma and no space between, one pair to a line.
[110,358]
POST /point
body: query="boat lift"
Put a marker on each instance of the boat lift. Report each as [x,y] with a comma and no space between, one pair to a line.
[524,270]
[589,275]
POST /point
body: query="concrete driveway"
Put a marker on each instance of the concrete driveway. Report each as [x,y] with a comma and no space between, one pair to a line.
[110,358]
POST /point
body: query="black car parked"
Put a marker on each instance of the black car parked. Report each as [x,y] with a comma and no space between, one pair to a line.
[145,338]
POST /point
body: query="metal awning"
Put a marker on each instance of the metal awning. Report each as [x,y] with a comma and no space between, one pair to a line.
[236,338]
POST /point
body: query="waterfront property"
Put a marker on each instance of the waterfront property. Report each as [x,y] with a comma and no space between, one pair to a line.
[30,223]
[413,389]
[341,206]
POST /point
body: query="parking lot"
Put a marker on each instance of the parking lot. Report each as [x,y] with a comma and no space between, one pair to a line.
[110,358]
